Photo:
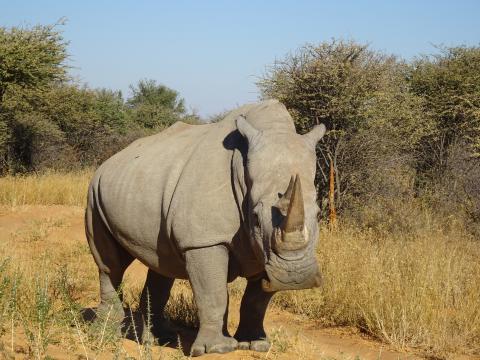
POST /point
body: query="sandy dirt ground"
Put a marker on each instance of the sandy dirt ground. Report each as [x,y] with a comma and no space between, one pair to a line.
[298,337]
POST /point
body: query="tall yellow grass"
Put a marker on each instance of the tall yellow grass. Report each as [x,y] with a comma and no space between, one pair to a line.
[420,291]
[417,289]
[53,188]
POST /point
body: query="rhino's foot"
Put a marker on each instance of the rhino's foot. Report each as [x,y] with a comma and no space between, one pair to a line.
[110,313]
[261,345]
[252,340]
[213,343]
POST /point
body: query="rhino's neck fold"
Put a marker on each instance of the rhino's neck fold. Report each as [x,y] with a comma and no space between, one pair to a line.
[239,186]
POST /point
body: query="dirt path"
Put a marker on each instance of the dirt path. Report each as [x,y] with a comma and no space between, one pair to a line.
[57,227]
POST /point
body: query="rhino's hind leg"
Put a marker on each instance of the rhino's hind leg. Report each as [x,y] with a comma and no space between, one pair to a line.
[112,261]
[207,270]
[250,333]
[110,282]
[154,297]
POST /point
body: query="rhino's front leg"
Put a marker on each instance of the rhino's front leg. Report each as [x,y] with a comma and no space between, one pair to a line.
[207,270]
[250,333]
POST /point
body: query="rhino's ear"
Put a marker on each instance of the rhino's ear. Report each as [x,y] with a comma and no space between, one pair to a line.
[315,135]
[247,130]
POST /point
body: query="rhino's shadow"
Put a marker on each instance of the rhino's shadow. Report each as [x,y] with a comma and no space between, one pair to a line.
[132,329]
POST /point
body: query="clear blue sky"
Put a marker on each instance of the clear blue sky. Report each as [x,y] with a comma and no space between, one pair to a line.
[212,52]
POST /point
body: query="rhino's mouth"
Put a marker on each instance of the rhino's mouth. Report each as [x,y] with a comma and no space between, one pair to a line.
[291,275]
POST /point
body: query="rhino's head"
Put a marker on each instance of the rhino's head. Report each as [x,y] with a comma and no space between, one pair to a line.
[282,211]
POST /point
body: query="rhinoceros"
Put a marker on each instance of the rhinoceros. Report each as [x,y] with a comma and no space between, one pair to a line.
[209,203]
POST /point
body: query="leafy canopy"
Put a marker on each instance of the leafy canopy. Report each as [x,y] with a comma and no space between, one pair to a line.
[450,84]
[31,58]
[154,105]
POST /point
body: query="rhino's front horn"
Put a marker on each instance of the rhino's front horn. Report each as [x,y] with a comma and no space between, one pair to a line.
[292,230]
[295,219]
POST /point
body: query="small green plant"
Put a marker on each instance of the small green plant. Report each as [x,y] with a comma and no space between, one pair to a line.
[37,318]
[104,333]
[146,341]
[8,298]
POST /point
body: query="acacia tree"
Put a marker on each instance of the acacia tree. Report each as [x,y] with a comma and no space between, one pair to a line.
[30,60]
[363,98]
[449,82]
[155,105]
[48,121]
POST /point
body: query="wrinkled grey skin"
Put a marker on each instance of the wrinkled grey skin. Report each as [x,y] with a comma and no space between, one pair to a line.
[209,203]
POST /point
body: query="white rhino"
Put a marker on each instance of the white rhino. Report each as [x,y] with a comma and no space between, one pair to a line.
[209,203]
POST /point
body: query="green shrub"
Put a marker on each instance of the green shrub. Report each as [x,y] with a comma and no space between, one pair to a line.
[362,96]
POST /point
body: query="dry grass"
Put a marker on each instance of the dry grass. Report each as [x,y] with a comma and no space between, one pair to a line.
[46,278]
[417,291]
[52,188]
